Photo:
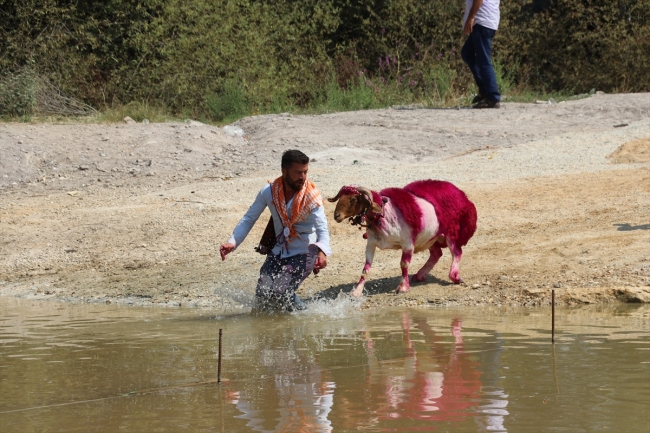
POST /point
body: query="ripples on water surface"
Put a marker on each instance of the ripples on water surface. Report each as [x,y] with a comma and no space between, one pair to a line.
[79,368]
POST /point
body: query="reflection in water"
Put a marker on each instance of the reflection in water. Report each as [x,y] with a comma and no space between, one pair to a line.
[301,406]
[494,399]
[441,382]
[437,384]
[64,368]
[432,381]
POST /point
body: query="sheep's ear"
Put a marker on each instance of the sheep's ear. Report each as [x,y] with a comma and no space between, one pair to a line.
[376,208]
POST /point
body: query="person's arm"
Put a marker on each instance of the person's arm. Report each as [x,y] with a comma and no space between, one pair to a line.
[469,24]
[244,226]
[323,238]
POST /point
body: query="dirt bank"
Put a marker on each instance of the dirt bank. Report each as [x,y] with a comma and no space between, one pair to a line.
[134,213]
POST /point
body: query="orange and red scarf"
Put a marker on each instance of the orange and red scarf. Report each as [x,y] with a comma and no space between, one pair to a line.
[304,202]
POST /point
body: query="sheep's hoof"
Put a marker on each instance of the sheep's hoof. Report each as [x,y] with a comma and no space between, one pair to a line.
[356,293]
[454,276]
[402,288]
[419,278]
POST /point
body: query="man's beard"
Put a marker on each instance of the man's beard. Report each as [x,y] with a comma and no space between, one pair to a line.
[296,186]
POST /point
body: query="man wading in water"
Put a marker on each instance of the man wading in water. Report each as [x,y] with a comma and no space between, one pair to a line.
[300,240]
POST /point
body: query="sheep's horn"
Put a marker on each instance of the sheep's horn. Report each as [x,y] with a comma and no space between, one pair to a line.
[334,199]
[365,191]
[345,190]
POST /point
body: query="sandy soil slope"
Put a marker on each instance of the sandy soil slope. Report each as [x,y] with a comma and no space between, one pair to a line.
[135,213]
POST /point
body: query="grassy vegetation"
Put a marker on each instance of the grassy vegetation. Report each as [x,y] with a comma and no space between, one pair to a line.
[137,111]
[425,83]
[232,103]
[219,60]
[333,98]
[17,98]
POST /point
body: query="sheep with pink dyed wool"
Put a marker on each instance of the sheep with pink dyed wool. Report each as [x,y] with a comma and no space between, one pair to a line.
[424,215]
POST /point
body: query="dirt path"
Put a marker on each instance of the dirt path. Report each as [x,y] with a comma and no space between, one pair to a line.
[135,213]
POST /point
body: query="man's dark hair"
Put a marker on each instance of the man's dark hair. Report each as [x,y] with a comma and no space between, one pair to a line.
[291,156]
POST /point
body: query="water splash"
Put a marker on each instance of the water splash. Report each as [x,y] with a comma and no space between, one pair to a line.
[340,307]
[234,298]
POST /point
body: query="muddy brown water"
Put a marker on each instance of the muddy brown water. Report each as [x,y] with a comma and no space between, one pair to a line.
[79,368]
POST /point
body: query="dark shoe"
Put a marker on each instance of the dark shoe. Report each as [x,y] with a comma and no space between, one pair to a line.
[488,104]
[478,98]
[297,304]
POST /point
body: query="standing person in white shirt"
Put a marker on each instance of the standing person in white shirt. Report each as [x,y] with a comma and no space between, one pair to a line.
[480,23]
[299,233]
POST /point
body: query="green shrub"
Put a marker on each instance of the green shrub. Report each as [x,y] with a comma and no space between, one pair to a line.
[505,76]
[351,97]
[443,80]
[284,54]
[577,44]
[230,104]
[17,95]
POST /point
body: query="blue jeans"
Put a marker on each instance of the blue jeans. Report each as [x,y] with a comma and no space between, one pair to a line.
[280,277]
[476,53]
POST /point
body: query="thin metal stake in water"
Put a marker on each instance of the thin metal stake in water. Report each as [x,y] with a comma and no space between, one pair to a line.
[219,361]
[552,316]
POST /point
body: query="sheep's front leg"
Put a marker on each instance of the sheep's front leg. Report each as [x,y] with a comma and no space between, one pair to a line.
[456,254]
[370,255]
[404,285]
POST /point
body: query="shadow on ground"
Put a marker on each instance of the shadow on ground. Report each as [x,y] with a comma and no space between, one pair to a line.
[374,287]
[628,227]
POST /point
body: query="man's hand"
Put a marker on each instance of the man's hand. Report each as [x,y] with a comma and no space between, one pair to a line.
[321,262]
[469,25]
[225,250]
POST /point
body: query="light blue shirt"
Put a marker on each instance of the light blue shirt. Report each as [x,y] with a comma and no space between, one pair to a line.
[311,231]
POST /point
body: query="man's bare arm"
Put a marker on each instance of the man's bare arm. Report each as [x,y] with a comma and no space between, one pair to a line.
[469,24]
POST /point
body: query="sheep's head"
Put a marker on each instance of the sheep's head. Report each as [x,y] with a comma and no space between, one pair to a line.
[352,201]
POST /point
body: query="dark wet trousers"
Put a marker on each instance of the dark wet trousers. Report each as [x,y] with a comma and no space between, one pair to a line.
[280,278]
[477,53]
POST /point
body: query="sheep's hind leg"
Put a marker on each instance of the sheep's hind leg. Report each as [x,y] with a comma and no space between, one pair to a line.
[436,253]
[370,255]
[404,285]
[456,253]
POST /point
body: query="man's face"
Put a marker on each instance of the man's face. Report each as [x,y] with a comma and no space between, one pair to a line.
[295,175]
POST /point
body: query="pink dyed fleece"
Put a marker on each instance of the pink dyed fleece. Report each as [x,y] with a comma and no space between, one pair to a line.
[456,214]
[405,203]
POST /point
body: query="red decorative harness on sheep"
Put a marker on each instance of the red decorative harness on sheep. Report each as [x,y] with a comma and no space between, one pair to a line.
[370,217]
